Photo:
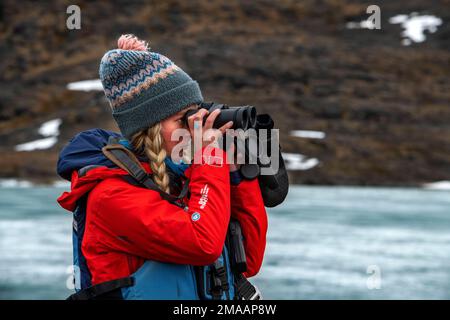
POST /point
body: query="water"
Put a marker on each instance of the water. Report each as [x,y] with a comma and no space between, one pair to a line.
[323,243]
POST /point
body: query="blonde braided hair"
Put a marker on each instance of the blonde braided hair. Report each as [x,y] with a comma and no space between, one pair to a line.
[149,142]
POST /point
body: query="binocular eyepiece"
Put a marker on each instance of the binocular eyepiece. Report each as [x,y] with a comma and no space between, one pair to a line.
[243,117]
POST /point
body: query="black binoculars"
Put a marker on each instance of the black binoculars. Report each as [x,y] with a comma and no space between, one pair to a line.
[243,117]
[274,186]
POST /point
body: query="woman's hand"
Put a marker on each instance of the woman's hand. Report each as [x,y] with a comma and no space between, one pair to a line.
[209,135]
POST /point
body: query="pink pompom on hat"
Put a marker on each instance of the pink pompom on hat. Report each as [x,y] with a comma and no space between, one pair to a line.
[131,42]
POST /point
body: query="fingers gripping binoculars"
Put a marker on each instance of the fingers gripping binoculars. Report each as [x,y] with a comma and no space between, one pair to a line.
[272,175]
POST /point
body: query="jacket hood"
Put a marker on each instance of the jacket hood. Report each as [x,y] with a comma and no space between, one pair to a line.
[85,149]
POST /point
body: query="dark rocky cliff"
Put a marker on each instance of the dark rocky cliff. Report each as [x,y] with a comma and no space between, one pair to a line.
[383,106]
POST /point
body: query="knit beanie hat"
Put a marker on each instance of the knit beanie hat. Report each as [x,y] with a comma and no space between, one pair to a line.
[144,87]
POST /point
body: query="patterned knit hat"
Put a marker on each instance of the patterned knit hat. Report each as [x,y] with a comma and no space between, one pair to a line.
[144,87]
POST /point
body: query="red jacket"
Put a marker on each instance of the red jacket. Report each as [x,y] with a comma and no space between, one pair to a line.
[127,225]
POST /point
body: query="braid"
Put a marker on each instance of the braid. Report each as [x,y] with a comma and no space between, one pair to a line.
[150,142]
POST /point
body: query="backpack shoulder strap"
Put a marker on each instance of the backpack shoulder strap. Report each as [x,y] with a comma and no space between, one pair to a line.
[124,159]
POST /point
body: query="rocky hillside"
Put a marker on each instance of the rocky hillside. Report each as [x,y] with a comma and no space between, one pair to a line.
[383,106]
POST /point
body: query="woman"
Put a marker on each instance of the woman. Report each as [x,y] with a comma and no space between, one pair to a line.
[133,231]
